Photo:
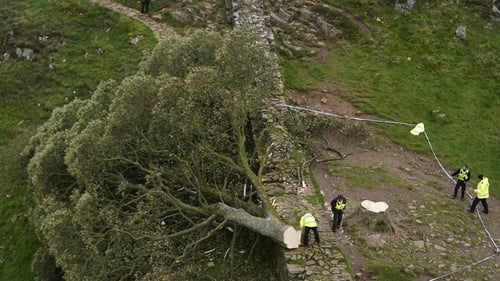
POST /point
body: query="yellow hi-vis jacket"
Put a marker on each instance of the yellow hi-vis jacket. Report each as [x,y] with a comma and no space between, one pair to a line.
[308,220]
[463,175]
[482,191]
[340,205]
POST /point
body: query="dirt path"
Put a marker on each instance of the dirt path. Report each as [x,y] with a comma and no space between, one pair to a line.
[160,30]
[412,208]
[362,26]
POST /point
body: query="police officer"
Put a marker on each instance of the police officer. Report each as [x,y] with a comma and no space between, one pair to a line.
[463,176]
[308,222]
[338,206]
[482,193]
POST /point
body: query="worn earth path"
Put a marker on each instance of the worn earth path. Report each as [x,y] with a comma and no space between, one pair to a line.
[161,31]
[432,229]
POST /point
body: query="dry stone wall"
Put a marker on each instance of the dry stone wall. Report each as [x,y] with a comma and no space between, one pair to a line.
[288,192]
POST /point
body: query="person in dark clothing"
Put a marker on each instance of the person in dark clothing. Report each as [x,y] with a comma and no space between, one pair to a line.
[463,175]
[338,206]
[145,6]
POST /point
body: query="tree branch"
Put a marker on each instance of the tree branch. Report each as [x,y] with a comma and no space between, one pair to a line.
[187,249]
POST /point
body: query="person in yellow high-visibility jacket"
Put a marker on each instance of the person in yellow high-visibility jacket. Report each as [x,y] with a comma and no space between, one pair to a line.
[338,205]
[308,222]
[463,176]
[482,193]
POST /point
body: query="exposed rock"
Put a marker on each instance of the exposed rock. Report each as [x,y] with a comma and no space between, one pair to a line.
[419,244]
[26,53]
[461,32]
[496,11]
[135,40]
[325,27]
[439,248]
[295,269]
[405,7]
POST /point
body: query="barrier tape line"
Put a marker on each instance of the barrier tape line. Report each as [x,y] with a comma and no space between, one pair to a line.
[497,249]
[477,212]
[465,267]
[343,116]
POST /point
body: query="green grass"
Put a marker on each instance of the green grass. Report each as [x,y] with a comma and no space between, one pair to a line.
[419,71]
[371,177]
[85,45]
[300,262]
[18,242]
[390,273]
[317,197]
[301,75]
[76,32]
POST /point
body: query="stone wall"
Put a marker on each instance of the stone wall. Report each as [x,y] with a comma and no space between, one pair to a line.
[288,194]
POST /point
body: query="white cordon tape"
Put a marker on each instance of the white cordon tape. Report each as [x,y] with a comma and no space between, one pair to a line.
[465,267]
[343,116]
[497,250]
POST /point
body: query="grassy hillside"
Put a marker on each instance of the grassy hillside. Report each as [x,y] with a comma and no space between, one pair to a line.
[417,70]
[83,44]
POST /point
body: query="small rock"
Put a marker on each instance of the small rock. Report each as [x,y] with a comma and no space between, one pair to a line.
[419,244]
[14,218]
[310,262]
[295,269]
[439,248]
[461,32]
[135,40]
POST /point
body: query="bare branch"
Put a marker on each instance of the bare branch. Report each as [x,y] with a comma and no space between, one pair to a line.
[191,245]
[206,222]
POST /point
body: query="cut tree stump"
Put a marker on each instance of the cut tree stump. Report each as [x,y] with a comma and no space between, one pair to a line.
[374,215]
[374,207]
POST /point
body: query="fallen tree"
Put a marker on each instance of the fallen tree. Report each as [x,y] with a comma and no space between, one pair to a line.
[150,167]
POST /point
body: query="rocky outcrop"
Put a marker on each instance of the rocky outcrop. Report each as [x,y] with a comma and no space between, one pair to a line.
[495,10]
[300,26]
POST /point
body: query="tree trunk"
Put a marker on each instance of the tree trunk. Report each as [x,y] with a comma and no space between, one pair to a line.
[283,234]
[375,216]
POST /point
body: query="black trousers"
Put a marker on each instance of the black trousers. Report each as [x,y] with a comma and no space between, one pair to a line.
[145,6]
[460,184]
[337,219]
[305,240]
[474,204]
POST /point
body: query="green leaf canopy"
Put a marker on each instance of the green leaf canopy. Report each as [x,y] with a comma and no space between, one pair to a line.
[126,183]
